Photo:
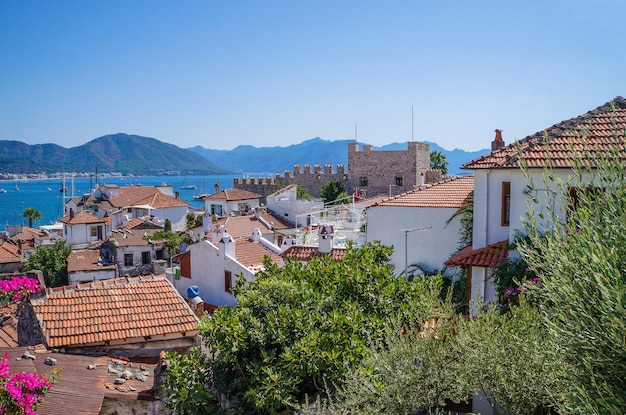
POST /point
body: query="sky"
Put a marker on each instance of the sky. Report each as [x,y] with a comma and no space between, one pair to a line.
[219,74]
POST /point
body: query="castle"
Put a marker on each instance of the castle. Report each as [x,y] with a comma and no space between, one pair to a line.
[369,173]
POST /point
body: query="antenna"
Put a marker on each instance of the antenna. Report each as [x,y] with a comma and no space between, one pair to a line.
[355,135]
[412,125]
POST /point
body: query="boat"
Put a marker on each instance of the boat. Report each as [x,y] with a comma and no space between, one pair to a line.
[48,188]
[189,186]
[63,189]
[3,190]
[201,196]
[16,188]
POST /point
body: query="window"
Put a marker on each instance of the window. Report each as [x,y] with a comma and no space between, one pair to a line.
[145,257]
[216,210]
[228,281]
[159,254]
[128,260]
[506,204]
[93,231]
[363,181]
[399,181]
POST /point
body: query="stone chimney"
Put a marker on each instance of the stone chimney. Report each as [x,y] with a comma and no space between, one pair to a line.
[216,188]
[71,214]
[497,142]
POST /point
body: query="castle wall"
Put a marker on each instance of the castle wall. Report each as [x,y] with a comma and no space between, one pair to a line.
[374,172]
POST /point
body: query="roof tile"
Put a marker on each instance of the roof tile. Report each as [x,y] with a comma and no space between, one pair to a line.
[449,193]
[489,256]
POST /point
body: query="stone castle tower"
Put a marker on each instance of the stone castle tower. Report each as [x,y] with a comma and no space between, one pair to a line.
[370,172]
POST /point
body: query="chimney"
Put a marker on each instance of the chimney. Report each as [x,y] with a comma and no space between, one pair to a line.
[207,222]
[71,214]
[177,195]
[227,246]
[325,240]
[497,142]
[256,235]
[216,188]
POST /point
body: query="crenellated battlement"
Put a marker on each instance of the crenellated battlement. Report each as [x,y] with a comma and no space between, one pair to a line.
[369,170]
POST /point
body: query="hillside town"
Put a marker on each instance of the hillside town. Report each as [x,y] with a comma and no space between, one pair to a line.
[141,269]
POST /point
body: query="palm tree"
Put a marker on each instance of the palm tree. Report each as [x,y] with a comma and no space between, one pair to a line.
[438,162]
[31,214]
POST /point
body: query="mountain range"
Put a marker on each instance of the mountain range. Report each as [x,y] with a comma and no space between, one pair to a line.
[133,154]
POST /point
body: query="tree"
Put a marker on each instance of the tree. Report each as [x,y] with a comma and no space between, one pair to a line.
[32,214]
[193,221]
[439,162]
[297,330]
[302,193]
[52,261]
[580,260]
[334,192]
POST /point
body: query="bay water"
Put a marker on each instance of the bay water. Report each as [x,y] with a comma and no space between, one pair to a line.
[45,195]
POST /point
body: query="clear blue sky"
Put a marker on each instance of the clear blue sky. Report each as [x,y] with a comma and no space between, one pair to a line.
[274,73]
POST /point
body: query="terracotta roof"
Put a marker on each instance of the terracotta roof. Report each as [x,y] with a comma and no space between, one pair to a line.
[241,226]
[83,217]
[8,325]
[587,136]
[489,256]
[118,310]
[9,252]
[79,390]
[276,221]
[251,254]
[85,260]
[28,234]
[127,237]
[141,223]
[306,253]
[158,200]
[128,196]
[448,193]
[233,194]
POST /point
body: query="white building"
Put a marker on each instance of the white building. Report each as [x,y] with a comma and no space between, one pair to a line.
[213,265]
[83,228]
[416,224]
[301,212]
[231,202]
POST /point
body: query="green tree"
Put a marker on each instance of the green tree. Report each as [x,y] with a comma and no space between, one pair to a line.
[302,193]
[32,214]
[52,261]
[168,225]
[334,192]
[193,221]
[438,161]
[449,358]
[174,240]
[297,330]
[580,259]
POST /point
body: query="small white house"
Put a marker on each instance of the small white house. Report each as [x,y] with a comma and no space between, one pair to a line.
[213,265]
[85,265]
[83,228]
[301,212]
[231,202]
[416,224]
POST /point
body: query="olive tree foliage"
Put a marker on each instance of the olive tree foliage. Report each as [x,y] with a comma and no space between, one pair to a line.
[581,261]
[296,331]
[52,261]
[507,356]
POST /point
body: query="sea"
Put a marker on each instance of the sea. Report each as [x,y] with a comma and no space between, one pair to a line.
[46,196]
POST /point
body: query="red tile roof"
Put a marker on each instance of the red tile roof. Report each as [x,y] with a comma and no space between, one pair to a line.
[233,194]
[136,237]
[10,252]
[28,234]
[588,136]
[130,195]
[448,193]
[85,260]
[8,325]
[489,256]
[241,226]
[119,310]
[158,201]
[306,253]
[251,254]
[83,217]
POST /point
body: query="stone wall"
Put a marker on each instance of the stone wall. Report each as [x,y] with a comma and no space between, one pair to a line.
[372,172]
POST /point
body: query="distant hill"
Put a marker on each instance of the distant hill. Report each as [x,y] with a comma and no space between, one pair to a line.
[128,154]
[250,159]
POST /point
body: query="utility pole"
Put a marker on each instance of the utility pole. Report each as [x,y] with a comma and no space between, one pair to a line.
[406,245]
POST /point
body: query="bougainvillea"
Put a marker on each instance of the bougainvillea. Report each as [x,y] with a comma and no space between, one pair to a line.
[21,392]
[17,288]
